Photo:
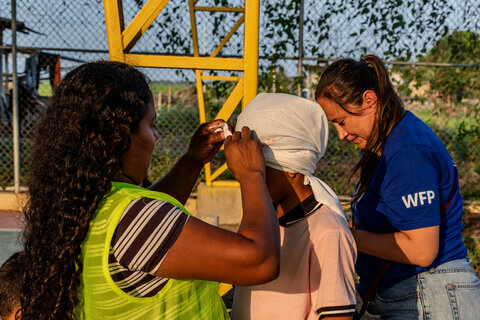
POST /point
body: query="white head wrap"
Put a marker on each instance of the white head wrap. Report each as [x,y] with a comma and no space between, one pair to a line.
[294,134]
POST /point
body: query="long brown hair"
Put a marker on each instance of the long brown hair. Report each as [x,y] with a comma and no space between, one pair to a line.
[344,82]
[76,154]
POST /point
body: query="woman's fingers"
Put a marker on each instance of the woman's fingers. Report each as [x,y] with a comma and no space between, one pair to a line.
[236,135]
[206,142]
[245,133]
[243,154]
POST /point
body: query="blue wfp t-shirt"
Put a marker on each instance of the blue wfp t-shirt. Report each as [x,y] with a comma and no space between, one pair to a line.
[413,180]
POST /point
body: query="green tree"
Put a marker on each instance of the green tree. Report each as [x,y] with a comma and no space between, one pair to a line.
[459,82]
[394,29]
[457,87]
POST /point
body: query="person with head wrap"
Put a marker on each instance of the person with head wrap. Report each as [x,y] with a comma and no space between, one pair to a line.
[318,252]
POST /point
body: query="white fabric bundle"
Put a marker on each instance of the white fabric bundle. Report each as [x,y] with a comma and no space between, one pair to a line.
[294,134]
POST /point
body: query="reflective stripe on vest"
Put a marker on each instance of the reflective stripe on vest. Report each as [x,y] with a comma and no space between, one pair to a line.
[102,299]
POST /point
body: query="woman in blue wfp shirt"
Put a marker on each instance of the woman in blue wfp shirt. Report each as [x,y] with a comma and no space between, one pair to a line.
[407,206]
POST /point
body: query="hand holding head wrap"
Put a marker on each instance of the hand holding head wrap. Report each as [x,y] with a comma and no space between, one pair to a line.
[293,132]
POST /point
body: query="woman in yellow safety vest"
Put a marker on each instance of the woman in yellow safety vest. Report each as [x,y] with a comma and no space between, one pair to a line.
[100,246]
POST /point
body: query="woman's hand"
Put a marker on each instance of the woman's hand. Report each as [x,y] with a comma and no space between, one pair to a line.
[205,143]
[250,256]
[244,155]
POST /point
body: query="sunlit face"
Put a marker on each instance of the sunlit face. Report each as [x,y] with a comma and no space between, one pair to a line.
[354,128]
[136,160]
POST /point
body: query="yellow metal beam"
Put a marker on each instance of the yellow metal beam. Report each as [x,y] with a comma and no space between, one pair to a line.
[227,109]
[198,82]
[193,23]
[219,171]
[221,78]
[250,50]
[224,288]
[198,73]
[141,22]
[183,62]
[115,25]
[219,9]
[232,101]
[121,40]
[228,36]
[225,183]
[200,96]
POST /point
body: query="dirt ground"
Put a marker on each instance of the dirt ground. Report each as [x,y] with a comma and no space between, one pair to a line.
[471,219]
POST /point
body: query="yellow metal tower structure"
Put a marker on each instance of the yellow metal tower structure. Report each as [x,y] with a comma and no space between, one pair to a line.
[122,39]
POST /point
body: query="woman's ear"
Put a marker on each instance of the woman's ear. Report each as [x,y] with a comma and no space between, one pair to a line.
[370,100]
[295,178]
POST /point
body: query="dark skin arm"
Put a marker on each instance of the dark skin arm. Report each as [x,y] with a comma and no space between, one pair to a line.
[250,256]
[339,317]
[203,147]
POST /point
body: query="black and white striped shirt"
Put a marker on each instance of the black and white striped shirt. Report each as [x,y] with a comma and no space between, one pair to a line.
[145,233]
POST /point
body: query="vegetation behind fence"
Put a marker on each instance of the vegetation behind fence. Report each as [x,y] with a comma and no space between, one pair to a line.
[176,125]
[432,49]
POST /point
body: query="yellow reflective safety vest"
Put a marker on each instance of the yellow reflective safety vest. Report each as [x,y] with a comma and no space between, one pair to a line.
[102,299]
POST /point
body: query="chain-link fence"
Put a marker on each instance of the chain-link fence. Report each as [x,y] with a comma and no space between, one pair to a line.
[55,36]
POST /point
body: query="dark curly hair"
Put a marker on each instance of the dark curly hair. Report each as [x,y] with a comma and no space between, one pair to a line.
[76,154]
[11,283]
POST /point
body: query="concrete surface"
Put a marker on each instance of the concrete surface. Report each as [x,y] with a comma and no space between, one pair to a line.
[10,220]
[10,233]
[11,201]
[224,202]
[10,242]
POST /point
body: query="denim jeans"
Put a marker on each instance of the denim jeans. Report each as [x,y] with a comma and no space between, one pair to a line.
[449,291]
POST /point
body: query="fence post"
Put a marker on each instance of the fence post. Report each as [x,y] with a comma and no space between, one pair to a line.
[300,49]
[309,83]
[169,97]
[159,102]
[16,122]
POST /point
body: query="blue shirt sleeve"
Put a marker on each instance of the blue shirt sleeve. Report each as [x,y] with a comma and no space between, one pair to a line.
[411,190]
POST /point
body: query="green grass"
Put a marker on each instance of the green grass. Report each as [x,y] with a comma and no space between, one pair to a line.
[444,120]
[157,87]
